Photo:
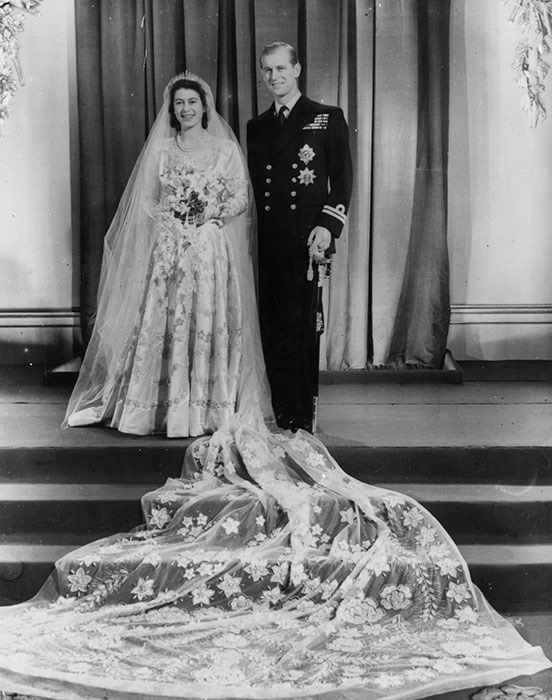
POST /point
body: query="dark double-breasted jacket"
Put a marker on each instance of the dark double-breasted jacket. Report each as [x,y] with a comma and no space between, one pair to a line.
[301,174]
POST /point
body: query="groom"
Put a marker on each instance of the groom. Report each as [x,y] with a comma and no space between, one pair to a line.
[300,165]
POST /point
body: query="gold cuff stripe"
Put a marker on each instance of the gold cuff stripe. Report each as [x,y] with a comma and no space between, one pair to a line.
[336,213]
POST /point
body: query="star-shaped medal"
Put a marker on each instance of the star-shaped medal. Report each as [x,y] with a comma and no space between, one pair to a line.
[306,154]
[306,176]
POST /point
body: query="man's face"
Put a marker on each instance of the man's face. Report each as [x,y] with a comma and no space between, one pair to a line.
[279,75]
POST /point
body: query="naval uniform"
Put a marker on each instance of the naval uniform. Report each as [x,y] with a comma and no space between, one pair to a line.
[302,178]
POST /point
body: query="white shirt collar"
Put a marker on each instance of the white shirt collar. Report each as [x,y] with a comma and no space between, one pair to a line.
[289,105]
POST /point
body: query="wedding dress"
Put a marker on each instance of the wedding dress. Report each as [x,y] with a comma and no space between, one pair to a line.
[265,571]
[182,366]
[174,347]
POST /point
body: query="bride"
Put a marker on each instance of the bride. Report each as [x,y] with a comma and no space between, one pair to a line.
[265,571]
[173,348]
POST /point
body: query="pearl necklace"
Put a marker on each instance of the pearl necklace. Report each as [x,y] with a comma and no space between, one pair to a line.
[193,147]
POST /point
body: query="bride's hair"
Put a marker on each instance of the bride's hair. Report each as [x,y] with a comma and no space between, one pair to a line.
[187,85]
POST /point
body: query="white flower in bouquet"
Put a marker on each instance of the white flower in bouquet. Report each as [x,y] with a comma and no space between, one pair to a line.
[195,196]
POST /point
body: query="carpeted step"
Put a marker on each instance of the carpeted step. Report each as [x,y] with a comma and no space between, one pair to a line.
[479,459]
[482,513]
[117,464]
[522,465]
[503,530]
[154,461]
[487,498]
[513,578]
[43,513]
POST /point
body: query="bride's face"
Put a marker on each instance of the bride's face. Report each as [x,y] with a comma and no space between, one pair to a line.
[188,108]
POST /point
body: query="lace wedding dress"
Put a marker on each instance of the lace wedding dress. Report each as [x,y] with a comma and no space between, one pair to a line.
[179,373]
[265,572]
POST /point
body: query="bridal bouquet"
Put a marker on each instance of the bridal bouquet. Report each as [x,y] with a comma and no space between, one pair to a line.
[194,196]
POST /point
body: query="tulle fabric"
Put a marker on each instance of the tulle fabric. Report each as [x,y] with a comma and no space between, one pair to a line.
[128,248]
[264,572]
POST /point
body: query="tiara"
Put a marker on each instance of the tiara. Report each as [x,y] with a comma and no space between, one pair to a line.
[188,75]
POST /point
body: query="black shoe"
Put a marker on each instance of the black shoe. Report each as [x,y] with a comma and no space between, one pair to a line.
[293,423]
[283,421]
[296,424]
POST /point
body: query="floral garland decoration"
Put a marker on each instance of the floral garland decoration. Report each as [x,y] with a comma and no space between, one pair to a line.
[535,19]
[11,24]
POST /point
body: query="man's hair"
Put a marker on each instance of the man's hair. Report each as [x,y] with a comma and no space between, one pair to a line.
[274,46]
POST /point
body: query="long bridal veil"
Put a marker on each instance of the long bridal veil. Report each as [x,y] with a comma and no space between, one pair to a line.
[265,572]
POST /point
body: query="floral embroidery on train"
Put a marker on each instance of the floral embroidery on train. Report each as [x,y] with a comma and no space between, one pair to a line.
[371,593]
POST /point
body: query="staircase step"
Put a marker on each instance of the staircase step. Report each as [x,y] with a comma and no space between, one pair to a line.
[513,578]
[154,461]
[35,511]
[21,492]
[454,465]
[32,553]
[119,464]
[470,512]
[25,568]
[487,514]
[478,455]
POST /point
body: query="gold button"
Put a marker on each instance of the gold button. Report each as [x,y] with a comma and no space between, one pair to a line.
[269,167]
[294,179]
[293,206]
[267,194]
[294,166]
[267,208]
[268,181]
[294,194]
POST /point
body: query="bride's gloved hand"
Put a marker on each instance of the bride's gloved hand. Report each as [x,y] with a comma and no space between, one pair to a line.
[211,222]
[212,215]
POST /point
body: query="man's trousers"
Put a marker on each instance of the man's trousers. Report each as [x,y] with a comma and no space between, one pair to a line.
[287,309]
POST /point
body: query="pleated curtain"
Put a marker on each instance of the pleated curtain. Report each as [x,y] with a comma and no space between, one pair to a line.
[386,65]
[410,273]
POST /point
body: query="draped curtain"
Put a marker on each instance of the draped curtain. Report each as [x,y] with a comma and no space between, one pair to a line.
[385,64]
